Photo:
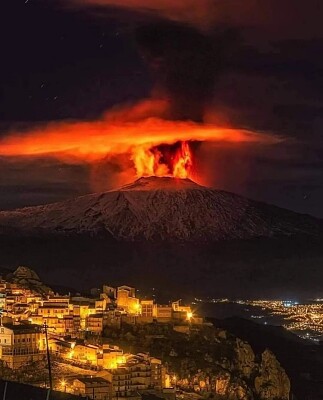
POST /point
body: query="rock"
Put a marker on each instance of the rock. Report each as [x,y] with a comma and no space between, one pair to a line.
[272,381]
[28,279]
[25,273]
[222,384]
[232,389]
[222,334]
[245,360]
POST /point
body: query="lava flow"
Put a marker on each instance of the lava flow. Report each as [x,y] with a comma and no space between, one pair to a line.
[164,160]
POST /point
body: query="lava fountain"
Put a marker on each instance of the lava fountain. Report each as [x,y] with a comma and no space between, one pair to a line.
[165,160]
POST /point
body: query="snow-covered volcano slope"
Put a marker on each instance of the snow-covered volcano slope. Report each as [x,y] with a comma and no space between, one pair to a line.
[165,209]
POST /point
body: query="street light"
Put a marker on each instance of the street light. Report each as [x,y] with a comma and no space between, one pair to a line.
[63,384]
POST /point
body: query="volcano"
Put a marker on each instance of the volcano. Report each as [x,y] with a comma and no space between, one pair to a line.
[171,234]
[161,209]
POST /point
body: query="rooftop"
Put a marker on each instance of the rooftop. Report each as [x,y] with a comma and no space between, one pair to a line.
[23,328]
[95,380]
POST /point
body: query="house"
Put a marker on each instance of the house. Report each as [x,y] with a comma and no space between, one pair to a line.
[20,344]
[92,388]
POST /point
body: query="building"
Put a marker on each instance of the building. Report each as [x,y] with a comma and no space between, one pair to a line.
[148,308]
[139,372]
[95,323]
[182,311]
[110,292]
[53,310]
[20,344]
[85,354]
[164,313]
[93,388]
[120,379]
[126,300]
[111,357]
[3,301]
[158,374]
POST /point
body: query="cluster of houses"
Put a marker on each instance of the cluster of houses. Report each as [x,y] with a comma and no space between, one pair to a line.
[68,320]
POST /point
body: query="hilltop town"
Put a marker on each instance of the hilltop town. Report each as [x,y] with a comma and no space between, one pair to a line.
[75,325]
[113,344]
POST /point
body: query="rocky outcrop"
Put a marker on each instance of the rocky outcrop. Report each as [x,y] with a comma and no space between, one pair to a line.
[272,381]
[232,388]
[245,359]
[238,375]
[28,279]
[26,273]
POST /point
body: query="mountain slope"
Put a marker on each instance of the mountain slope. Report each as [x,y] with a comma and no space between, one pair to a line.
[161,209]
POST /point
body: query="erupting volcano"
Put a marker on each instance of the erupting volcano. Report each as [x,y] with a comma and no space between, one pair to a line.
[164,160]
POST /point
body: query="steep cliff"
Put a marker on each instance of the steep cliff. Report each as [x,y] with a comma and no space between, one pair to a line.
[272,381]
[210,361]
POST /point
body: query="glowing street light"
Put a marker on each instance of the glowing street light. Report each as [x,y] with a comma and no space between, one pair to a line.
[189,315]
[63,384]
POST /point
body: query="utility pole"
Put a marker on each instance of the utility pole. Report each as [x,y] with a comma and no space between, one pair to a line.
[45,327]
[5,390]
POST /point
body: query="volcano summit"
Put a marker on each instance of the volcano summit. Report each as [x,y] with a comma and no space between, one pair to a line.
[161,209]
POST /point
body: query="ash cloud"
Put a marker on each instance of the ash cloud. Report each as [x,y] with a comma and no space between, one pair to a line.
[185,63]
[198,13]
[288,19]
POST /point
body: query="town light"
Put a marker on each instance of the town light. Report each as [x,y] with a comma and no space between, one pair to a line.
[189,315]
[63,384]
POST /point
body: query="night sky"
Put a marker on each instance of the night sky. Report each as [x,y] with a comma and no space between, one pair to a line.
[256,65]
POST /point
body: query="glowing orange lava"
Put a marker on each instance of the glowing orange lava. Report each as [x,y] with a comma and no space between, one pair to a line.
[183,162]
[153,162]
[157,146]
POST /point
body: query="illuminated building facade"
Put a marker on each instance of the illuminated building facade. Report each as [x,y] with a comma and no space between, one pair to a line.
[92,388]
[20,344]
[126,300]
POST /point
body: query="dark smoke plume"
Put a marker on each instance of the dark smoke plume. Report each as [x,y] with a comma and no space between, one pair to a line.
[186,63]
